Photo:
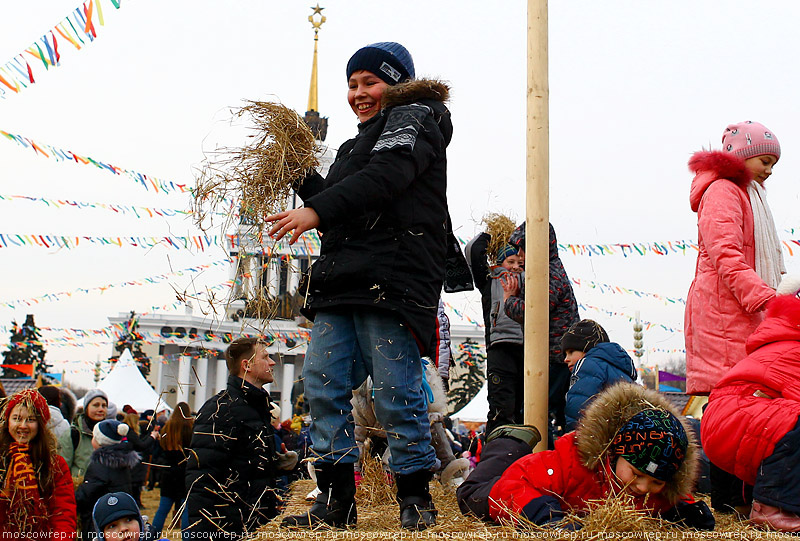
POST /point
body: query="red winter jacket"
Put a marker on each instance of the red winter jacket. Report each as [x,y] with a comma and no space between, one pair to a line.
[577,470]
[758,401]
[726,297]
[558,473]
[60,504]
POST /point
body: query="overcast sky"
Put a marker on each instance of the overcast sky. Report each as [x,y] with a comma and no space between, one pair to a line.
[635,88]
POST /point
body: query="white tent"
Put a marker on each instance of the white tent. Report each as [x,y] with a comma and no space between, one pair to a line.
[477,410]
[126,385]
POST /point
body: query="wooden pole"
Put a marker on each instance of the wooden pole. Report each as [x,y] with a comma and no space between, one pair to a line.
[537,234]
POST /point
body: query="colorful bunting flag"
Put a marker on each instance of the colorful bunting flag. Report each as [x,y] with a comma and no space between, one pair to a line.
[62,155]
[83,16]
[157,279]
[139,212]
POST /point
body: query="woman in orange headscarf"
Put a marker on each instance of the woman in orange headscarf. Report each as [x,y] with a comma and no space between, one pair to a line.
[37,494]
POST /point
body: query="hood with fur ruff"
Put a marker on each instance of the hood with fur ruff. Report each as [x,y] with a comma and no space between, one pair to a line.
[415,90]
[609,412]
[116,456]
[712,165]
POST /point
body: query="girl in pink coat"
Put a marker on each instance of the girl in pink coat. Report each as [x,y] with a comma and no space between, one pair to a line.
[738,268]
[750,427]
[740,261]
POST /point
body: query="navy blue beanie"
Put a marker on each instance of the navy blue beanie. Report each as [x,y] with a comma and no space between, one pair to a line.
[115,506]
[388,60]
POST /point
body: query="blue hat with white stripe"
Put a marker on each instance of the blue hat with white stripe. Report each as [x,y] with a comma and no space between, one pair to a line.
[388,60]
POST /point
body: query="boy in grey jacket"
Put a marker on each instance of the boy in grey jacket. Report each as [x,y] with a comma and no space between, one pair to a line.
[504,338]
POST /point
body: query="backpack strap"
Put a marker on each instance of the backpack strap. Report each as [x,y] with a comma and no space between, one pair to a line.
[76,437]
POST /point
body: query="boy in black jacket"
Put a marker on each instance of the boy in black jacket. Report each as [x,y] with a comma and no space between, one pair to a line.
[374,291]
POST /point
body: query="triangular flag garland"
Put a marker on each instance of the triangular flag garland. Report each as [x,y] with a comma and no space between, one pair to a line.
[309,245]
[661,248]
[77,28]
[62,155]
[139,212]
[157,279]
[189,242]
[679,247]
[608,288]
[612,313]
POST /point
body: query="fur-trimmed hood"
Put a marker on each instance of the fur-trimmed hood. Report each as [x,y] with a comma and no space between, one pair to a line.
[782,323]
[57,424]
[116,456]
[609,412]
[415,90]
[712,165]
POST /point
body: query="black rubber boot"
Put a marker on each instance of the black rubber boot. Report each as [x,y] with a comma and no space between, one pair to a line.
[336,505]
[416,506]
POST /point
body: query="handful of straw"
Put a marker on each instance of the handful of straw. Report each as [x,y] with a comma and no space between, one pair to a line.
[281,149]
[499,227]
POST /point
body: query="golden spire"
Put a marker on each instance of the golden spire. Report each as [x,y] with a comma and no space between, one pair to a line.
[312,92]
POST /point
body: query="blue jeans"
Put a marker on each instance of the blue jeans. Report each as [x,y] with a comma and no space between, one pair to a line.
[346,346]
[164,505]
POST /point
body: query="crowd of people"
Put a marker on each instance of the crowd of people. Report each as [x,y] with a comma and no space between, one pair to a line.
[374,296]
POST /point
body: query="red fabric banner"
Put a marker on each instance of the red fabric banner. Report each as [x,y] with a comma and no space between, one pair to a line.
[24,368]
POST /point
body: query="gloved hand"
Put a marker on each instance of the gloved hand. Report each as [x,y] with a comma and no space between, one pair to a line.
[287,460]
[693,514]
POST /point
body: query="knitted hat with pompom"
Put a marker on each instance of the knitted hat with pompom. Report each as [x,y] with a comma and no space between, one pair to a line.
[109,432]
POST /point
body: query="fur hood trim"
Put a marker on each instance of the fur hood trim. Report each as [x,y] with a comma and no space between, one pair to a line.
[711,166]
[722,164]
[415,90]
[116,456]
[609,412]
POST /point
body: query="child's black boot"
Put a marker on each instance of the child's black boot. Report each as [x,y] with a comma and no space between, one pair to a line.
[416,505]
[336,504]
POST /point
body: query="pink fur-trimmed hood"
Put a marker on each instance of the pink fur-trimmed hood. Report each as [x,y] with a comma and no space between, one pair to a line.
[712,165]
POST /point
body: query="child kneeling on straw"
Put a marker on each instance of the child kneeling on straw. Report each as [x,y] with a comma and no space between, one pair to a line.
[630,441]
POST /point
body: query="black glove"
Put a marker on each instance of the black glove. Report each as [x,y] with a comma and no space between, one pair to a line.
[695,515]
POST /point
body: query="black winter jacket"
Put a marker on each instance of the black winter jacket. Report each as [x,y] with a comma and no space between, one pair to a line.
[481,276]
[110,470]
[144,446]
[383,211]
[173,477]
[230,474]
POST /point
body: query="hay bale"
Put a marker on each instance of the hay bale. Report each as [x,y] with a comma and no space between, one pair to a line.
[281,149]
[499,227]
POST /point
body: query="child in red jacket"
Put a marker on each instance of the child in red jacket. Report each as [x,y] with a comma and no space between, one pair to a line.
[751,426]
[630,440]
